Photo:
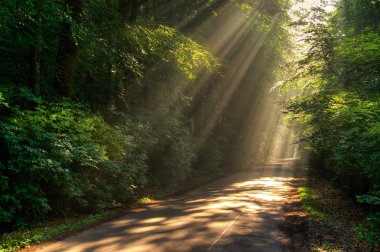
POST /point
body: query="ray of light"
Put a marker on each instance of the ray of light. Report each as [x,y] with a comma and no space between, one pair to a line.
[263,134]
[244,59]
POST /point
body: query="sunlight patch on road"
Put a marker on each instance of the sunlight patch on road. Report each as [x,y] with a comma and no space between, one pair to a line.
[204,217]
[226,204]
[139,230]
[145,247]
[267,196]
[218,225]
[263,181]
[153,220]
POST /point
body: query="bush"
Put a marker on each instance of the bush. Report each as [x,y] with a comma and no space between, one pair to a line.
[371,233]
[211,158]
[61,157]
[171,158]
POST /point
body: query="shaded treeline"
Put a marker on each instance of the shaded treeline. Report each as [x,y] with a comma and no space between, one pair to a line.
[101,99]
[339,105]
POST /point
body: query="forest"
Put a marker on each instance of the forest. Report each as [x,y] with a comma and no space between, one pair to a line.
[339,101]
[102,100]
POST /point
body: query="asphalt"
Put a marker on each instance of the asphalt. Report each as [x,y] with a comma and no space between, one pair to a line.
[242,212]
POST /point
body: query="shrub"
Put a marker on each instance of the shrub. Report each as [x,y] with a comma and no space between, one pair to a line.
[62,157]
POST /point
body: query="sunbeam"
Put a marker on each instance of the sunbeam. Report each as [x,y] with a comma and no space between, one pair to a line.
[244,55]
[242,87]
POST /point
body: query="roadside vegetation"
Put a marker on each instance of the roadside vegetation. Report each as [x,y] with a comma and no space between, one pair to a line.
[339,102]
[322,217]
[53,230]
[104,101]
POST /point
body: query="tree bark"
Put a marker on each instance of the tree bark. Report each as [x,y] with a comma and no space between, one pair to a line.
[129,9]
[34,63]
[67,52]
[34,69]
[134,10]
[125,9]
[111,87]
[155,9]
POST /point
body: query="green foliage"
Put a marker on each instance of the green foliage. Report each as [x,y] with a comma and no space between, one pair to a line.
[373,200]
[309,203]
[25,24]
[346,126]
[358,15]
[340,103]
[61,157]
[127,117]
[360,50]
[167,44]
[210,158]
[371,232]
[47,230]
[172,156]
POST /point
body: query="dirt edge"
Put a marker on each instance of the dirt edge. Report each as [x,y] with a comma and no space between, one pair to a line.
[334,230]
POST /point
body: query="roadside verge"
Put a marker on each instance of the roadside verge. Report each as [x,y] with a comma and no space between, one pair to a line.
[321,217]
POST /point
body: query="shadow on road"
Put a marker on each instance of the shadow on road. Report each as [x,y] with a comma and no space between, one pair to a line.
[238,213]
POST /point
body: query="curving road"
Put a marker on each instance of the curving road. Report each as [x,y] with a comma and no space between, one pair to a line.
[238,213]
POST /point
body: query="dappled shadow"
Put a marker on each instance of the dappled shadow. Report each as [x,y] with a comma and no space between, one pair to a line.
[242,211]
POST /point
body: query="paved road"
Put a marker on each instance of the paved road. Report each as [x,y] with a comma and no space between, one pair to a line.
[238,213]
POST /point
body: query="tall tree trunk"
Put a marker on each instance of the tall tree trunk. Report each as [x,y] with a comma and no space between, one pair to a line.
[34,69]
[34,64]
[134,10]
[67,52]
[129,9]
[111,87]
[155,10]
[125,9]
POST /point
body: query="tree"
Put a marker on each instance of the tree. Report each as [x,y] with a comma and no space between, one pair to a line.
[68,51]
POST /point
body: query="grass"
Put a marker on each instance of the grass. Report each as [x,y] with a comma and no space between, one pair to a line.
[151,198]
[312,199]
[308,197]
[48,230]
[327,248]
[333,216]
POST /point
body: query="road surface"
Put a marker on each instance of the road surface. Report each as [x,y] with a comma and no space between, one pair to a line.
[239,213]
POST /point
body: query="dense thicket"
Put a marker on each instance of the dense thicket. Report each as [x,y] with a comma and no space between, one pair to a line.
[340,101]
[101,98]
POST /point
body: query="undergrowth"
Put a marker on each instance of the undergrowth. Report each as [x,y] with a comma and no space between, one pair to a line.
[333,219]
[48,230]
